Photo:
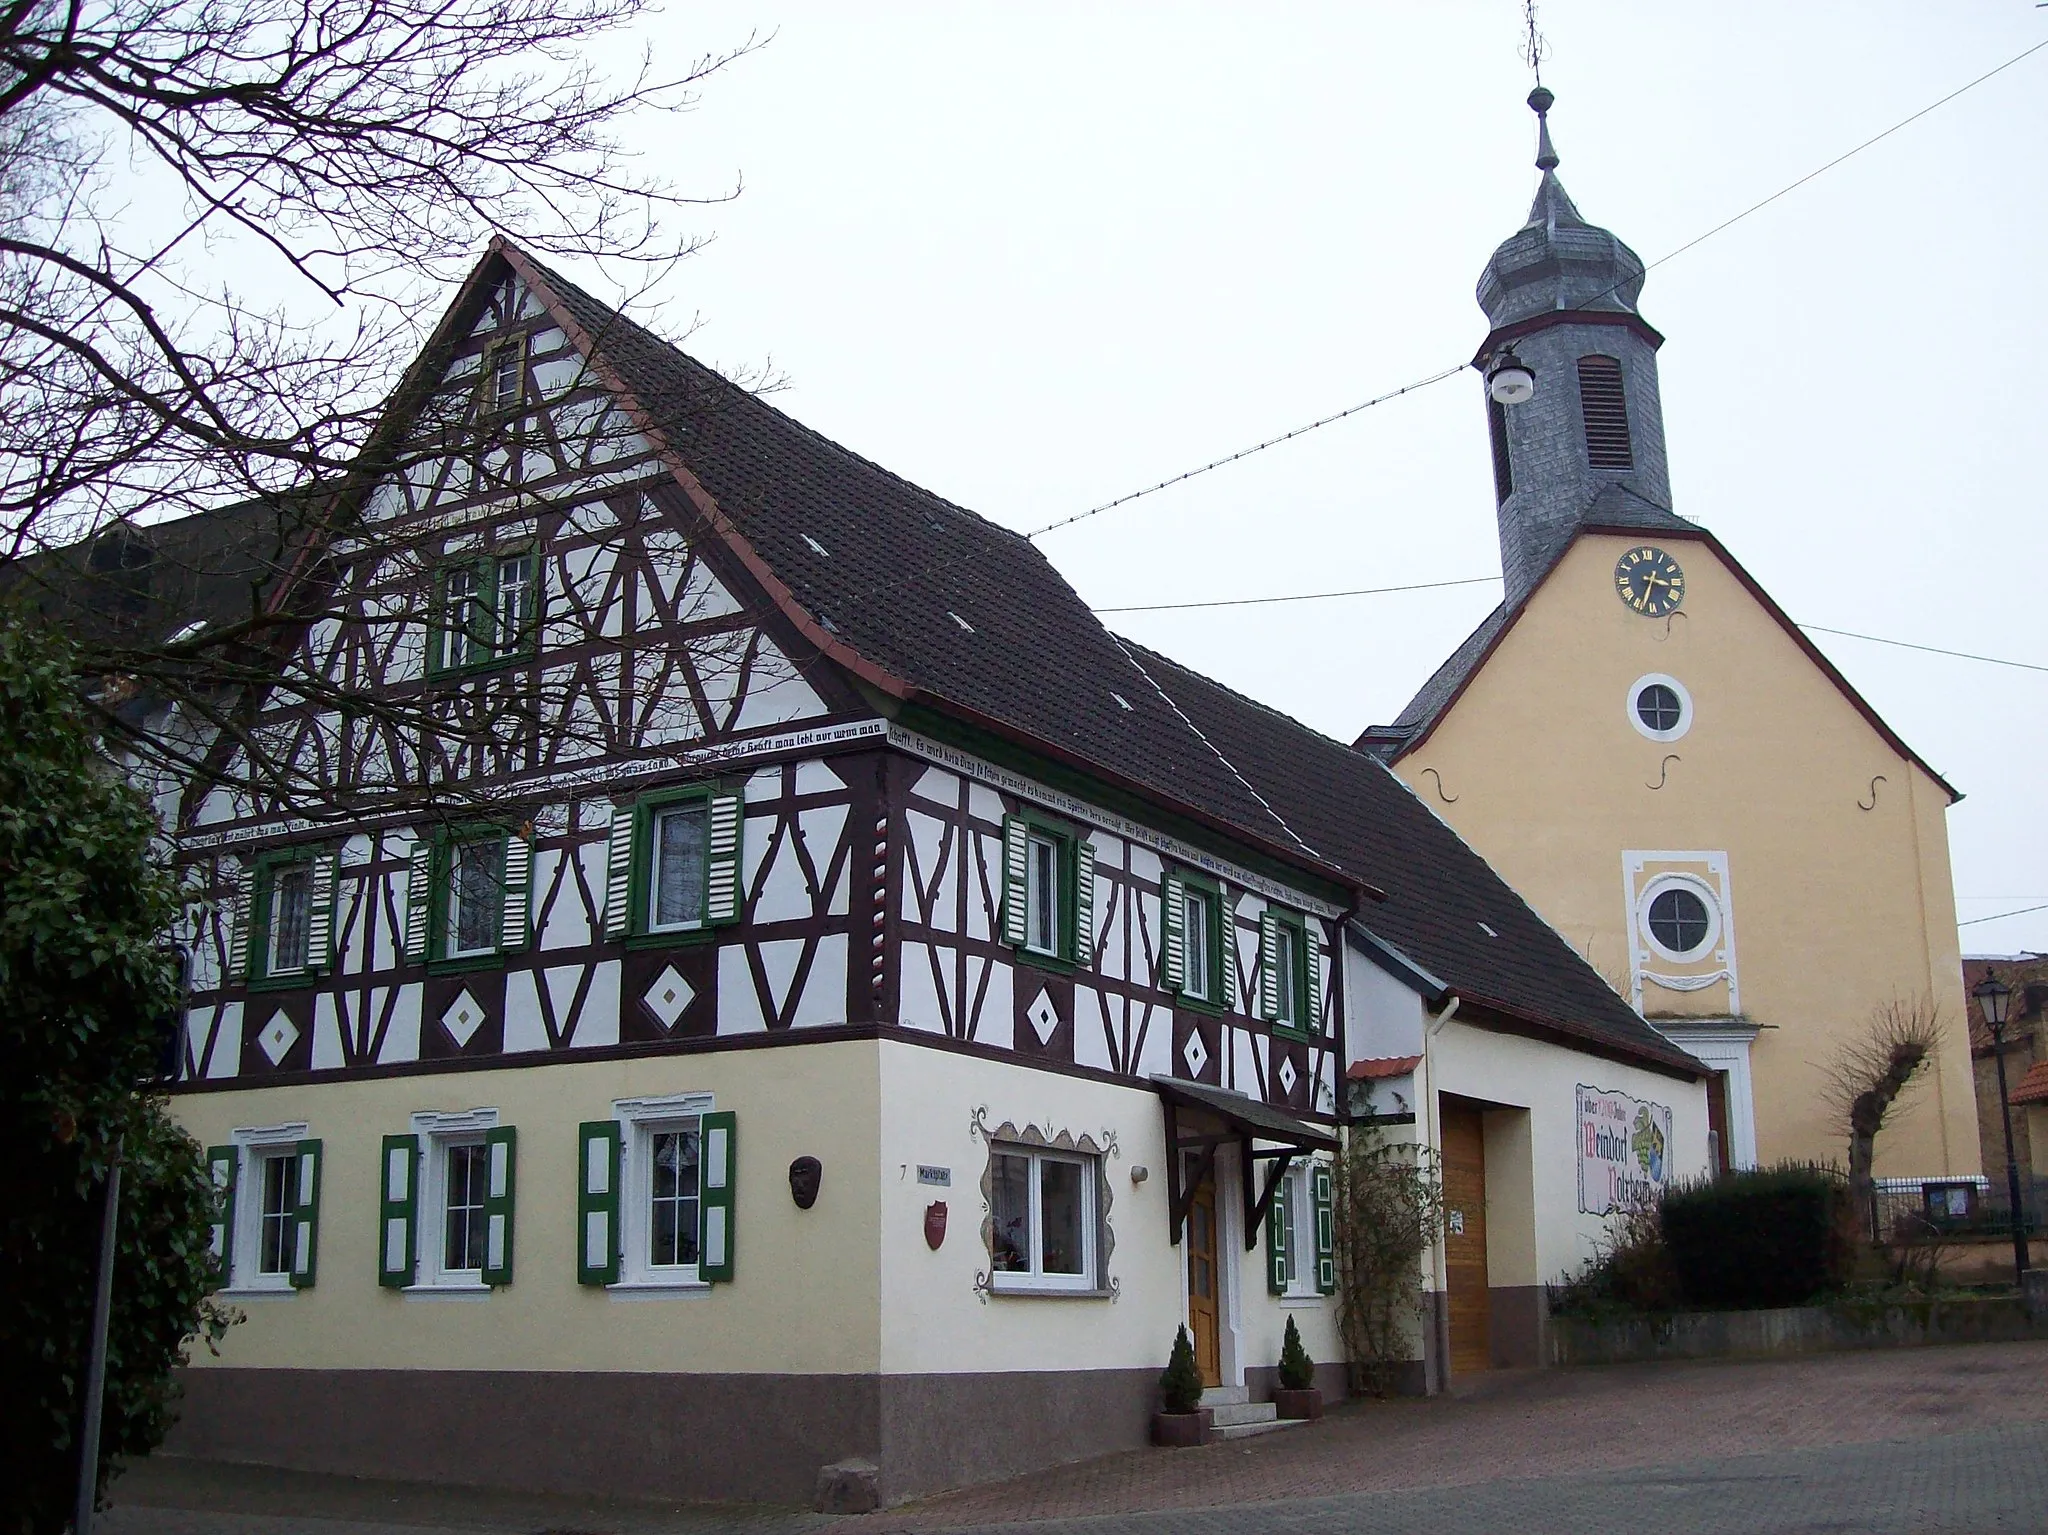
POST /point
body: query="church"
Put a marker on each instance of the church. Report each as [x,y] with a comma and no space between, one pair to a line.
[1648,749]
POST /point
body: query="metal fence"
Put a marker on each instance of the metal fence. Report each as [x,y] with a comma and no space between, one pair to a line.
[1934,1210]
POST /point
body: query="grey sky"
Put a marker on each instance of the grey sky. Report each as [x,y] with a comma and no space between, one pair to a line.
[1036,257]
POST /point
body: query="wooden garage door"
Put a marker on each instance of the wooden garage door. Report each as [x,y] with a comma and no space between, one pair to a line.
[1464,1150]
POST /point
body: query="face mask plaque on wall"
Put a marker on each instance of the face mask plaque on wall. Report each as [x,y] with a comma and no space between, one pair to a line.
[804,1175]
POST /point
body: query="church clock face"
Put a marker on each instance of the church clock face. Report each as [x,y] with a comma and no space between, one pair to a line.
[1649,581]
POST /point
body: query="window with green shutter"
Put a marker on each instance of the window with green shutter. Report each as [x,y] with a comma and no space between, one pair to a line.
[1322,1195]
[486,612]
[398,1211]
[222,1165]
[288,917]
[1048,891]
[1280,1238]
[305,1214]
[469,894]
[659,1194]
[1194,962]
[597,1202]
[1290,966]
[675,864]
[501,1147]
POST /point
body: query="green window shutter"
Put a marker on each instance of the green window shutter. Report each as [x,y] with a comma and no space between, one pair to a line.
[1082,948]
[306,1216]
[1323,1200]
[238,910]
[515,910]
[1277,1217]
[1173,938]
[419,902]
[320,914]
[722,862]
[500,1146]
[1312,963]
[618,874]
[597,1202]
[398,1212]
[719,1160]
[1016,849]
[1269,964]
[221,1163]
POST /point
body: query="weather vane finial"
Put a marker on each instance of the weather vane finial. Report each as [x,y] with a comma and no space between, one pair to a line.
[1535,47]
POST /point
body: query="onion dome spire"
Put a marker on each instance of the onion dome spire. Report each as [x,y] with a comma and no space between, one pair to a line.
[1557,260]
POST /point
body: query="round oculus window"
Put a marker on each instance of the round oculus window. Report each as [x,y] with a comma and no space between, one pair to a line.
[1659,707]
[1679,920]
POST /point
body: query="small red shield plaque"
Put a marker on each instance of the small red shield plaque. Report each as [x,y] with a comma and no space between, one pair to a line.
[935,1224]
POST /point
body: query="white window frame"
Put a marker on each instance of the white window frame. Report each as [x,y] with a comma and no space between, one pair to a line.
[508,629]
[1035,1280]
[273,965]
[639,1119]
[1636,690]
[699,806]
[436,1133]
[1300,1234]
[255,1145]
[1288,959]
[1046,942]
[451,915]
[1708,897]
[1198,964]
[461,645]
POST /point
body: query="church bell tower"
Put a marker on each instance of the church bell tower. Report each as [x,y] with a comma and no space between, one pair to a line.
[1588,446]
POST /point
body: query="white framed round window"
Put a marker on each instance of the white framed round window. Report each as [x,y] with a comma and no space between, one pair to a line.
[1680,918]
[1659,707]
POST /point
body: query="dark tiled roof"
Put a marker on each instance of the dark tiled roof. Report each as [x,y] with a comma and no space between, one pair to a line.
[935,595]
[1615,506]
[1442,897]
[214,567]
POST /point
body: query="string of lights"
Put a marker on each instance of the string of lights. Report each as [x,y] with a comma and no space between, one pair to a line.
[1437,378]
[2001,916]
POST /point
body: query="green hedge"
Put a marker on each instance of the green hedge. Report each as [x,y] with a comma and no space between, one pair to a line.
[1774,1236]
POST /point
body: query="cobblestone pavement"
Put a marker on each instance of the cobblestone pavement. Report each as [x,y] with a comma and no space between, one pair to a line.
[1947,1439]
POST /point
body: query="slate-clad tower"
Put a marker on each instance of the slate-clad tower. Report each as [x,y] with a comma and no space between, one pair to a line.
[1589,447]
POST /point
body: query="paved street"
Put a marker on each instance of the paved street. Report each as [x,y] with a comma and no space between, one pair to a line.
[1942,1439]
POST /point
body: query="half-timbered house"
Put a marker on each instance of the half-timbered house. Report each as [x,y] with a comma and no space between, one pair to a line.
[824,995]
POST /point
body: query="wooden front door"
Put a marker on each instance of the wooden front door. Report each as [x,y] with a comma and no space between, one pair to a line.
[1471,1307]
[1202,1283]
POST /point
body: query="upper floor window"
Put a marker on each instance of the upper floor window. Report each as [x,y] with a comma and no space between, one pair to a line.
[468,893]
[503,382]
[1193,955]
[1604,405]
[1290,973]
[1048,890]
[675,863]
[486,611]
[283,923]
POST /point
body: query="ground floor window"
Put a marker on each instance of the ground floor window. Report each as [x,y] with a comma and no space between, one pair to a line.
[1043,1207]
[278,1178]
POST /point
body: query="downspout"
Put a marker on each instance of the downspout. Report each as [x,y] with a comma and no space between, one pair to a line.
[1439,1256]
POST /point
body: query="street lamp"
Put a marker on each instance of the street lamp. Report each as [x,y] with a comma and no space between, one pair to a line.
[1994,1000]
[1509,380]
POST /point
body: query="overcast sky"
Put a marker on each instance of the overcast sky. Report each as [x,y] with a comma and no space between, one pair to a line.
[1034,258]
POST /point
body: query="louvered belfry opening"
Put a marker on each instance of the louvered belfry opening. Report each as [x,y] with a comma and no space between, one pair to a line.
[1503,467]
[1605,407]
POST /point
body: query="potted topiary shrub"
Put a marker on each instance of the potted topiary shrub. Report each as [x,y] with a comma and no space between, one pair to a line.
[1296,1396]
[1182,1420]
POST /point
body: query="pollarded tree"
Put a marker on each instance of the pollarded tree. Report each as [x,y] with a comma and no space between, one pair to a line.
[86,985]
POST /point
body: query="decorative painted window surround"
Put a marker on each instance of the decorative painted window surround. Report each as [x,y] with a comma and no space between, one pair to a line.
[1647,873]
[1092,1152]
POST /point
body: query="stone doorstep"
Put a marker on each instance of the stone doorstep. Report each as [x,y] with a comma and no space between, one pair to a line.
[1225,1396]
[1263,1426]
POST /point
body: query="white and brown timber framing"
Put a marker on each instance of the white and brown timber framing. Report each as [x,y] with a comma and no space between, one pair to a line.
[671,651]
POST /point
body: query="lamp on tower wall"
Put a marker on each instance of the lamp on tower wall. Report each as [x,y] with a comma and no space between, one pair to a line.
[1994,1000]
[1509,380]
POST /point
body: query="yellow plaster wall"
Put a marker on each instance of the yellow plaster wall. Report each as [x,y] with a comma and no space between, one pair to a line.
[1836,909]
[805,1293]
[1535,1232]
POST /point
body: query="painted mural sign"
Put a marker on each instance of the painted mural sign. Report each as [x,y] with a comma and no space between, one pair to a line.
[1624,1150]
